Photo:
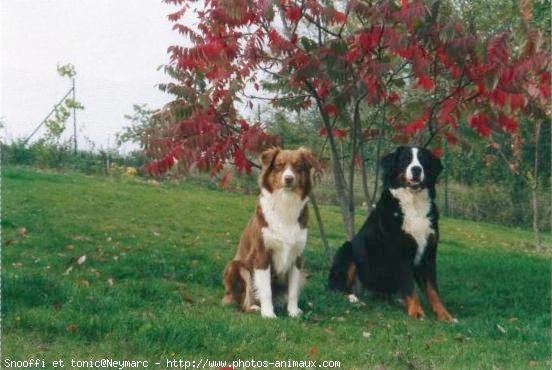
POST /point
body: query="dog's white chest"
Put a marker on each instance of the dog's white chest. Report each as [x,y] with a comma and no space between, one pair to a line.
[283,235]
[415,207]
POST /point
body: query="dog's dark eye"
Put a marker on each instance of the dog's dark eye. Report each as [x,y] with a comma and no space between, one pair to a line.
[278,166]
[301,167]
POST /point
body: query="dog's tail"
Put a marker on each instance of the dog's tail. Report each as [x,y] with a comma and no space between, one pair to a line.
[343,271]
[237,284]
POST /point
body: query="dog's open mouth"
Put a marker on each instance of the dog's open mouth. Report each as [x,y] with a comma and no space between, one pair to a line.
[414,184]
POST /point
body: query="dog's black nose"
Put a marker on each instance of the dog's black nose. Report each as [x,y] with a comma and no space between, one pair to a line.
[416,172]
[288,180]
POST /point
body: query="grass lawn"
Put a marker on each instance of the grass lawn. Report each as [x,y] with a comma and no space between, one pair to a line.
[150,286]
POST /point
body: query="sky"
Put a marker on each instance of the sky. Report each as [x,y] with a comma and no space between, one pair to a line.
[115,46]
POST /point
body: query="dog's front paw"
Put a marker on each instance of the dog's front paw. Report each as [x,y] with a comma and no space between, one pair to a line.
[268,314]
[353,298]
[416,312]
[294,311]
[445,316]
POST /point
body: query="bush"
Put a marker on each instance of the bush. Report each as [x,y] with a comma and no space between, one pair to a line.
[42,154]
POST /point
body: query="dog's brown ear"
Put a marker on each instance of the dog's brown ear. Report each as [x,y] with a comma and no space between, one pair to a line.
[267,157]
[312,164]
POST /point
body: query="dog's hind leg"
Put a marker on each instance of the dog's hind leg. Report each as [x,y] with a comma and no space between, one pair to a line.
[344,273]
[228,281]
[248,302]
[235,281]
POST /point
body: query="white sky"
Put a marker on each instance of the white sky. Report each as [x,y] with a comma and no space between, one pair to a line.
[115,46]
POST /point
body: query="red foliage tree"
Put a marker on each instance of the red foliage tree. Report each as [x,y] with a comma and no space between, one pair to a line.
[412,61]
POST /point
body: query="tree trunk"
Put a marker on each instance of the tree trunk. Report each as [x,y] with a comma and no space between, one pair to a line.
[447,163]
[535,186]
[327,250]
[372,200]
[364,177]
[354,138]
[337,170]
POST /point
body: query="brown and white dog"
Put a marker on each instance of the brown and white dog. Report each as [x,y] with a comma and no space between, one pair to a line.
[269,259]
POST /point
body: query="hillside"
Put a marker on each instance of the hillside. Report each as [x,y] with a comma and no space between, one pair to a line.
[150,285]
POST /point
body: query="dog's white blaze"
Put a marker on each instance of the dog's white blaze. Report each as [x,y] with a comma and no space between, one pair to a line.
[415,206]
[414,162]
[283,235]
[263,291]
[288,172]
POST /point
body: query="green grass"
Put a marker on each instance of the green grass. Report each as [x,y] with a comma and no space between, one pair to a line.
[163,248]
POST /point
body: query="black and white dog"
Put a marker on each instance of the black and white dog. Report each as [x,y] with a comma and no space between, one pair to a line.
[397,245]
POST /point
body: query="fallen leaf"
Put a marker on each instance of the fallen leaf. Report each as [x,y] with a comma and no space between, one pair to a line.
[110,282]
[83,283]
[313,351]
[461,338]
[187,297]
[69,247]
[71,328]
[57,305]
[501,329]
[81,259]
[95,272]
[22,231]
[366,334]
[532,363]
[69,269]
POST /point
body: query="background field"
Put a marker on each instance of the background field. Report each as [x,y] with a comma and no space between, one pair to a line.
[150,286]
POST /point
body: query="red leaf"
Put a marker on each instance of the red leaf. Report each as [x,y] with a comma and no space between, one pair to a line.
[241,162]
[352,55]
[451,138]
[416,125]
[438,152]
[517,101]
[509,124]
[498,97]
[480,122]
[323,131]
[445,114]
[426,82]
[173,17]
[293,13]
[368,40]
[393,98]
[339,133]
[330,109]
[339,17]
[497,52]
[544,86]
